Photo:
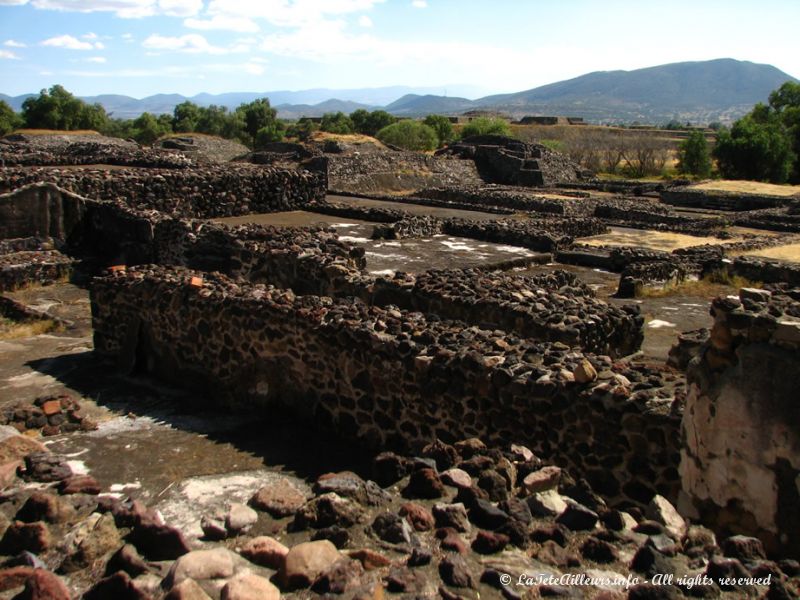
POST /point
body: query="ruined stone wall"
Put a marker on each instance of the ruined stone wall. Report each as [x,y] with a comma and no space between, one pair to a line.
[39,211]
[393,377]
[740,463]
[202,193]
[556,307]
[720,200]
[766,271]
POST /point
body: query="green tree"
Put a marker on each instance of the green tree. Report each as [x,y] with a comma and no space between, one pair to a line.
[694,157]
[56,108]
[9,120]
[411,135]
[258,115]
[147,128]
[212,119]
[785,101]
[375,121]
[337,122]
[486,126]
[302,129]
[185,117]
[442,126]
[758,147]
[268,134]
[359,119]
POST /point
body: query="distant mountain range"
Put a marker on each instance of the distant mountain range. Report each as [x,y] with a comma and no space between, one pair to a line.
[700,92]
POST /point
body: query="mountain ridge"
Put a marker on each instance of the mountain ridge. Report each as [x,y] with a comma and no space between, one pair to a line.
[697,91]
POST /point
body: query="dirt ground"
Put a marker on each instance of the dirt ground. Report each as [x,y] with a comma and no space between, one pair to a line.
[750,187]
[652,240]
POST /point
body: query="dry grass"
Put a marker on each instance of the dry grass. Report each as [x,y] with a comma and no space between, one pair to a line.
[349,138]
[652,240]
[56,132]
[14,330]
[718,283]
[790,252]
[749,187]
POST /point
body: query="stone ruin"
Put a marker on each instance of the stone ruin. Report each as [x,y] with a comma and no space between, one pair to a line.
[509,161]
[257,317]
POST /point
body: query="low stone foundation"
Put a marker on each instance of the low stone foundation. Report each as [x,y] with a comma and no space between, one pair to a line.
[200,193]
[556,307]
[721,200]
[392,377]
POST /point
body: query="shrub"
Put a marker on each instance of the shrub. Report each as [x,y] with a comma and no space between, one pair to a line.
[147,128]
[694,157]
[411,135]
[337,123]
[757,147]
[486,126]
[9,120]
[442,126]
[370,123]
[56,108]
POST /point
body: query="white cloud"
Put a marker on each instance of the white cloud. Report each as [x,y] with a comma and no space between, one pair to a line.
[97,59]
[419,3]
[190,72]
[14,44]
[89,36]
[180,8]
[7,54]
[192,43]
[286,13]
[99,45]
[224,22]
[364,21]
[67,42]
[126,9]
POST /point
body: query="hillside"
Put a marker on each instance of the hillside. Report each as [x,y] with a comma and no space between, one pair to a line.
[700,92]
[720,89]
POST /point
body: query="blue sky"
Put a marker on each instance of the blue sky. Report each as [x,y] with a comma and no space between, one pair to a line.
[144,47]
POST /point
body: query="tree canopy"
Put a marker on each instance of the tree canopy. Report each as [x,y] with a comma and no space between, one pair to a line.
[411,135]
[9,120]
[56,108]
[442,126]
[694,157]
[337,122]
[486,126]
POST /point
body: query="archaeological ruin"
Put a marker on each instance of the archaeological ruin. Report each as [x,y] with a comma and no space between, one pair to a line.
[550,376]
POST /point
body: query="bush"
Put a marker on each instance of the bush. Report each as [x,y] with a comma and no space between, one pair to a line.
[148,128]
[693,156]
[260,122]
[757,147]
[56,108]
[411,135]
[337,123]
[442,126]
[9,120]
[370,123]
[302,129]
[268,134]
[486,126]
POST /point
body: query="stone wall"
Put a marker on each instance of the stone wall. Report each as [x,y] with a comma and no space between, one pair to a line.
[39,211]
[556,307]
[740,464]
[509,161]
[20,269]
[721,200]
[389,377]
[204,193]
